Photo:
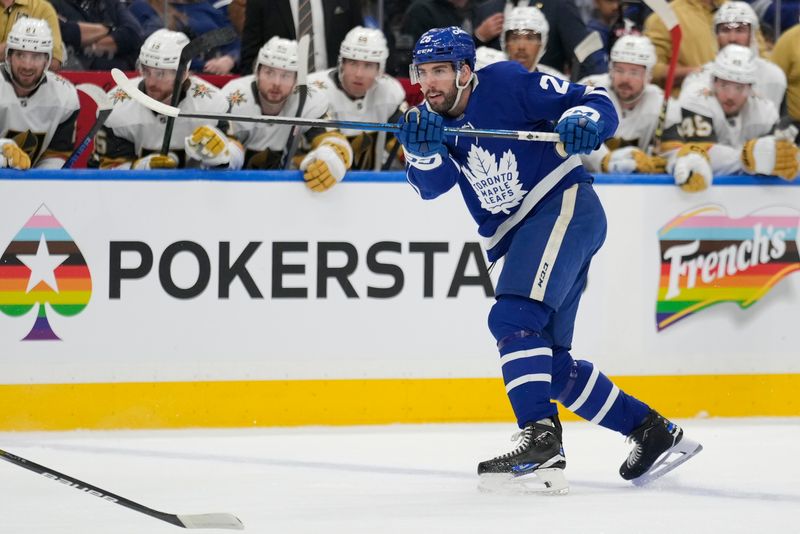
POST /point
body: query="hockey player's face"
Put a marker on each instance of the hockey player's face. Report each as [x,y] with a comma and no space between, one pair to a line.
[438,84]
[358,77]
[275,85]
[158,83]
[27,67]
[628,81]
[733,33]
[523,47]
[732,96]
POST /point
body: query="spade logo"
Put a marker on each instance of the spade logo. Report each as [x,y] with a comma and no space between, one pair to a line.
[43,265]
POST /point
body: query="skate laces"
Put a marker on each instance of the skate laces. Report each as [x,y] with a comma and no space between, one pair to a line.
[525,437]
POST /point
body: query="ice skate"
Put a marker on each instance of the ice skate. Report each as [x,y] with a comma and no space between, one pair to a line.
[535,466]
[659,447]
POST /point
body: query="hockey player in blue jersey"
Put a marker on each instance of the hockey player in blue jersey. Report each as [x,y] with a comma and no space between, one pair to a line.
[536,208]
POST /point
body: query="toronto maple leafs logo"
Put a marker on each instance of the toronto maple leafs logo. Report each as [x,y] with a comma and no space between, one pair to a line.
[497,186]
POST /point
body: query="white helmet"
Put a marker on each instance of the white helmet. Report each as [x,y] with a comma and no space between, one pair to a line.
[486,56]
[365,44]
[30,34]
[738,13]
[735,63]
[278,53]
[635,49]
[162,50]
[528,18]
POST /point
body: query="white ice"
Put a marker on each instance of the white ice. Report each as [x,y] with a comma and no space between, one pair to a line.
[405,478]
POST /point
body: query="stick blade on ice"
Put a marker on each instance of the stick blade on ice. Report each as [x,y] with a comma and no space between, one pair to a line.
[226,521]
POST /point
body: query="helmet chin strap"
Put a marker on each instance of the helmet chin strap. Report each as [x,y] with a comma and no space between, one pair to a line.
[460,90]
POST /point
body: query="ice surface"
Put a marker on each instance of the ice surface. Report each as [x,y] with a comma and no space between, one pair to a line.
[405,478]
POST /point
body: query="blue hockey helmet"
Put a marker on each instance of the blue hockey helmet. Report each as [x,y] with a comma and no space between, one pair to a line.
[445,44]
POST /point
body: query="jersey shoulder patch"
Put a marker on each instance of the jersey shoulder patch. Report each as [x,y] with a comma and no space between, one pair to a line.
[118,95]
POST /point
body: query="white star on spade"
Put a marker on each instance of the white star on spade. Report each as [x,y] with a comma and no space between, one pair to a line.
[42,266]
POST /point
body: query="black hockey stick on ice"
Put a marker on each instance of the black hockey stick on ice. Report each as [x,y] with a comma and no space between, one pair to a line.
[302,86]
[226,521]
[104,108]
[159,107]
[199,45]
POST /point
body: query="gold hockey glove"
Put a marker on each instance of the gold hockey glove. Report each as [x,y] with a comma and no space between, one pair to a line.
[772,156]
[327,162]
[13,156]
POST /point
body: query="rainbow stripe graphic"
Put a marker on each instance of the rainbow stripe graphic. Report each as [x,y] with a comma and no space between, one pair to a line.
[69,273]
[708,257]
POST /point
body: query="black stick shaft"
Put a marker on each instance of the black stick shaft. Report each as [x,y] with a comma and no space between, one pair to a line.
[88,488]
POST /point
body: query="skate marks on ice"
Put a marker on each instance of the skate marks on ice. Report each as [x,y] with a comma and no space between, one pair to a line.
[671,484]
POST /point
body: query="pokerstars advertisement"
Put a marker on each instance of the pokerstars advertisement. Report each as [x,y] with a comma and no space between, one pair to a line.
[172,281]
[119,281]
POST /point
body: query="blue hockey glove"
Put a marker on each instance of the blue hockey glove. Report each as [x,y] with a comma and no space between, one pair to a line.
[579,129]
[421,132]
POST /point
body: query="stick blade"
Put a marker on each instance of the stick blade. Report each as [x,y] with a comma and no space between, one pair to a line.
[97,94]
[130,88]
[663,10]
[226,521]
[302,59]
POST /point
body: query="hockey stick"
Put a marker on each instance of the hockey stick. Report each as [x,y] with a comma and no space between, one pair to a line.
[159,107]
[588,46]
[670,20]
[204,43]
[104,108]
[226,521]
[302,86]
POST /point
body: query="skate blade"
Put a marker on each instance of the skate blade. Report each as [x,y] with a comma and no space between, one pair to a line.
[685,449]
[540,482]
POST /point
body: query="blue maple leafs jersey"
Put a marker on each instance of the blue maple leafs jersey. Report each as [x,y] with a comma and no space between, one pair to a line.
[503,180]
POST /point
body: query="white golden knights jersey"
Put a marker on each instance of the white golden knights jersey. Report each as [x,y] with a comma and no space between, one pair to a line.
[264,144]
[133,131]
[637,125]
[770,81]
[697,117]
[43,123]
[385,101]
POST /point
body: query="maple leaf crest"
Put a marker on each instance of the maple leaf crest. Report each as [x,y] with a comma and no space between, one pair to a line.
[497,186]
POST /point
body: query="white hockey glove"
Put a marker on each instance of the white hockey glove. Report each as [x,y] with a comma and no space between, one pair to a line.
[631,159]
[327,162]
[692,168]
[12,156]
[213,148]
[156,161]
[772,156]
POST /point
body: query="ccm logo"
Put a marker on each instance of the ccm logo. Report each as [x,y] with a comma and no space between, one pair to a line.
[543,274]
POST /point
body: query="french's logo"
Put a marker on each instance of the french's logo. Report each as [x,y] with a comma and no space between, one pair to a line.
[708,258]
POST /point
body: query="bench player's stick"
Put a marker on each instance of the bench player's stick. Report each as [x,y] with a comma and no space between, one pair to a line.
[199,45]
[170,111]
[226,521]
[302,87]
[104,108]
[670,20]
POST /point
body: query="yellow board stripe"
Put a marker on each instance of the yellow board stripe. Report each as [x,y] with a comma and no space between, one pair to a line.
[356,402]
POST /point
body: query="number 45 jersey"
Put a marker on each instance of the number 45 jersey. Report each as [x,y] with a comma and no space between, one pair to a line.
[698,117]
[504,180]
